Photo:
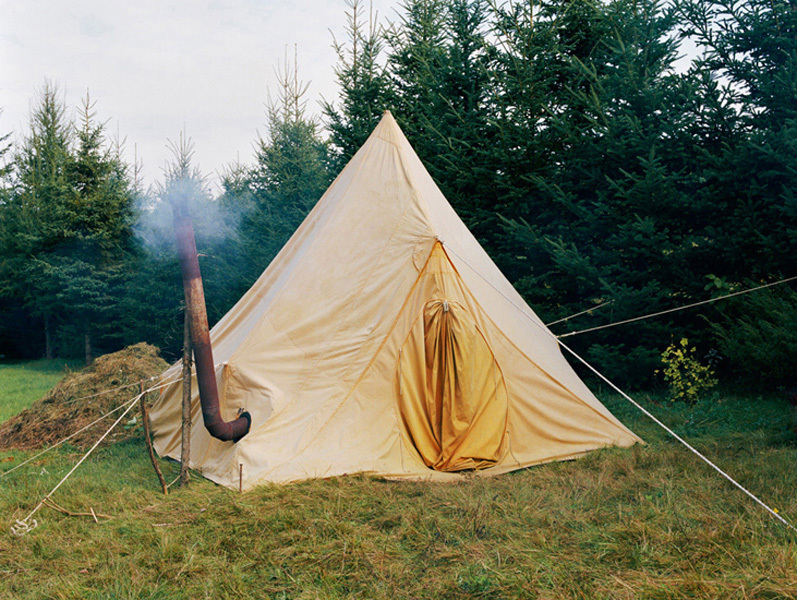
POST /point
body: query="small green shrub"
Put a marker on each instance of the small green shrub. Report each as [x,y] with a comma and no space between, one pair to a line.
[685,375]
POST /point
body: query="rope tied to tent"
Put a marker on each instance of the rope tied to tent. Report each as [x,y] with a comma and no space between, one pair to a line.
[81,430]
[23,526]
[771,511]
[664,312]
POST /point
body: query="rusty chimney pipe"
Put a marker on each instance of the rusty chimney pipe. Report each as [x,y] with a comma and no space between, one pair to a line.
[200,335]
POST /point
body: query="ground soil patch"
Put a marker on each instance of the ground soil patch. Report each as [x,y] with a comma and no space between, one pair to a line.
[81,397]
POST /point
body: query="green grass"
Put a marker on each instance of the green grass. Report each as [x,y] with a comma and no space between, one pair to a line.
[647,522]
[22,383]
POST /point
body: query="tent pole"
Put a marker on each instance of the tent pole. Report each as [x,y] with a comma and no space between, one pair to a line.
[145,420]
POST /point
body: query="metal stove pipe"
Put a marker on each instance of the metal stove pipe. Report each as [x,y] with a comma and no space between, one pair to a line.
[200,334]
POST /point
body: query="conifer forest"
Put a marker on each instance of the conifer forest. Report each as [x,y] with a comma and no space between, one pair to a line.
[627,156]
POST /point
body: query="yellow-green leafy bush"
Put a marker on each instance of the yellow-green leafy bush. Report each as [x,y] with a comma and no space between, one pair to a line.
[684,373]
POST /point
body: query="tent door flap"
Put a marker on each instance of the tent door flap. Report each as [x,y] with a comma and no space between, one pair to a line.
[452,396]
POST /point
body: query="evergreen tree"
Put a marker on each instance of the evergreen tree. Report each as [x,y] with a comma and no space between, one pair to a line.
[185,184]
[89,260]
[66,224]
[751,46]
[441,67]
[5,164]
[749,83]
[625,227]
[290,175]
[35,217]
[365,88]
[153,295]
[12,316]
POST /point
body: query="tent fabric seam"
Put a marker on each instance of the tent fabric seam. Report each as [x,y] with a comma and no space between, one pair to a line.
[364,283]
[242,344]
[286,405]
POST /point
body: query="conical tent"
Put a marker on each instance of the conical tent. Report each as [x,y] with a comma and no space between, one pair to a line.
[382,339]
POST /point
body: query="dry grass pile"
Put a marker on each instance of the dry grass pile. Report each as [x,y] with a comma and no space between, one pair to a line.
[78,399]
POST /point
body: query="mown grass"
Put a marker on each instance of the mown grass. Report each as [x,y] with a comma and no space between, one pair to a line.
[646,522]
[21,383]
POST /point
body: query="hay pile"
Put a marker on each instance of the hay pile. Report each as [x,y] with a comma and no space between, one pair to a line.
[65,409]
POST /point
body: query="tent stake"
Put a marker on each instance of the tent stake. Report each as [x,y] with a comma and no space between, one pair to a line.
[240,478]
[145,419]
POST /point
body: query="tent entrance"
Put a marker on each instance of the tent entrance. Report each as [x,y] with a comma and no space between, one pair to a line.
[452,396]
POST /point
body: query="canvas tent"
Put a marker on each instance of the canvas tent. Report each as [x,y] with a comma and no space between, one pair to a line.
[382,339]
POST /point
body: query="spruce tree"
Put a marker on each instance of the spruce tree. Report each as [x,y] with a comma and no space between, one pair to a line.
[36,213]
[289,176]
[66,225]
[365,87]
[749,70]
[99,212]
[614,220]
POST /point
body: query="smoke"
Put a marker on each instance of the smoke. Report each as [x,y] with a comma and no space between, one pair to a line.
[153,226]
[216,219]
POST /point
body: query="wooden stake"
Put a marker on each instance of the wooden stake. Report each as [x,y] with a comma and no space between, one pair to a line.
[94,515]
[240,478]
[145,418]
[185,448]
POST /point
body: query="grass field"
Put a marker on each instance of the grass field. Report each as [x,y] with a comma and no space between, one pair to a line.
[23,382]
[647,522]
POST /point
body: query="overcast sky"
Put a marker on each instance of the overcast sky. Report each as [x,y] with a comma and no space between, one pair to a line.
[155,67]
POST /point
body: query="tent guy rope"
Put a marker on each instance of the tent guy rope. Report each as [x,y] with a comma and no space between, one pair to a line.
[578,314]
[671,310]
[21,527]
[79,431]
[755,498]
[110,390]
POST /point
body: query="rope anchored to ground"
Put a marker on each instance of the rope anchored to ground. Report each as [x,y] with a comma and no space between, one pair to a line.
[24,526]
[558,340]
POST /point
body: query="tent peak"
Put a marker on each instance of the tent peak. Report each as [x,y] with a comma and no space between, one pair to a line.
[388,129]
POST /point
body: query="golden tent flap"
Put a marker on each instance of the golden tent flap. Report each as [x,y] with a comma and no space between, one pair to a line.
[452,395]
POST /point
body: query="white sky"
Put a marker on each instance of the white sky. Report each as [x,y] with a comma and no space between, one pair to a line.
[155,67]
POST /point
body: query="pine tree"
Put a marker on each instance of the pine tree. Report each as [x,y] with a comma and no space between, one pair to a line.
[99,211]
[153,295]
[365,87]
[618,221]
[747,87]
[35,215]
[5,153]
[750,180]
[290,175]
[66,224]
